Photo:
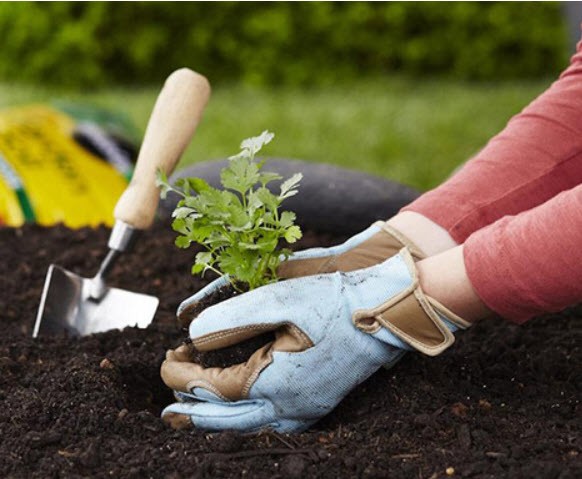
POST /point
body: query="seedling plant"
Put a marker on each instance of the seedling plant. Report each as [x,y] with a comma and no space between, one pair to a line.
[241,226]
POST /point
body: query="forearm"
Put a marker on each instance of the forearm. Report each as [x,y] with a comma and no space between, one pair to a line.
[423,232]
[444,278]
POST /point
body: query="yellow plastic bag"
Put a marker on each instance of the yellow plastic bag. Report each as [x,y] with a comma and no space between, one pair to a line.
[47,177]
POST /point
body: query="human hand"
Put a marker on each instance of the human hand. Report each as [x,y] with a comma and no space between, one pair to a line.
[332,332]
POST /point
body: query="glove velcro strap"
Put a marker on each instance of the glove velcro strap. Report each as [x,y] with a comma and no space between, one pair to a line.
[401,241]
[412,317]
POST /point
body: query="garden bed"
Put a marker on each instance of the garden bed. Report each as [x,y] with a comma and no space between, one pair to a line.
[504,402]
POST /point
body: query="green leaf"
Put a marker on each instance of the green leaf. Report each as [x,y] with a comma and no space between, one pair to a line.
[192,184]
[237,263]
[240,175]
[203,233]
[287,218]
[243,154]
[289,194]
[197,268]
[179,225]
[253,246]
[254,144]
[292,234]
[161,177]
[267,176]
[254,202]
[289,187]
[182,242]
[270,200]
[162,183]
[183,212]
[269,243]
[229,198]
[205,258]
[182,183]
[209,202]
[198,184]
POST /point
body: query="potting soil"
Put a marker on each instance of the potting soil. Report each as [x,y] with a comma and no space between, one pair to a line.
[504,401]
[230,355]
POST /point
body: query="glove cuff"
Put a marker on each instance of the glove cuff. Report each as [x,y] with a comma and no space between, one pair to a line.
[404,241]
[413,317]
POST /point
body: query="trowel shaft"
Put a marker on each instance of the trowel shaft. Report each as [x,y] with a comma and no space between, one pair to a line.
[121,240]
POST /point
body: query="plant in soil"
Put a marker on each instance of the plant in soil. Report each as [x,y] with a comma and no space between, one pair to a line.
[241,228]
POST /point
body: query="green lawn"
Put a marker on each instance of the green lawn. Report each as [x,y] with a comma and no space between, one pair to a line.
[415,132]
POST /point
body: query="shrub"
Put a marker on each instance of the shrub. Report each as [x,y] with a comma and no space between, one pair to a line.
[95,43]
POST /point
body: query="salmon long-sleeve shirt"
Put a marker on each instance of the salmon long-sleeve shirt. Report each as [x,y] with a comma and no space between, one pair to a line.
[517,206]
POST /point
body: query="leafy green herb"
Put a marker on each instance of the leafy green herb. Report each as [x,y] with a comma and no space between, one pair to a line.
[240,226]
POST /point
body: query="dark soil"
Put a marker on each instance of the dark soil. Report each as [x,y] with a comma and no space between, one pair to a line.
[225,357]
[503,402]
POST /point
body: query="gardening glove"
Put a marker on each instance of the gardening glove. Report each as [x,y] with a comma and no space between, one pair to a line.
[332,332]
[372,246]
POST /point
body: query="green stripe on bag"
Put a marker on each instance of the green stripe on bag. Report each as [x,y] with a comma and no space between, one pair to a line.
[14,182]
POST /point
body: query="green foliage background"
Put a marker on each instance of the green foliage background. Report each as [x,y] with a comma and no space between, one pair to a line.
[95,44]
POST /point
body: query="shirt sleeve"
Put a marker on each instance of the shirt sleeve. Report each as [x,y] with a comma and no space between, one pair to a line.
[525,265]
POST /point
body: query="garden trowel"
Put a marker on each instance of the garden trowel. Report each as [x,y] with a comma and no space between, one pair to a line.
[84,306]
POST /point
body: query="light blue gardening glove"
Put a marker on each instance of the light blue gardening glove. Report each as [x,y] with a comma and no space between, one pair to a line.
[372,246]
[332,332]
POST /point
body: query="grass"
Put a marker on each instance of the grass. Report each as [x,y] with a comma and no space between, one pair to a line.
[415,132]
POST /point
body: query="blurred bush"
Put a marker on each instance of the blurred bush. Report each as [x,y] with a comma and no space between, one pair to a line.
[92,44]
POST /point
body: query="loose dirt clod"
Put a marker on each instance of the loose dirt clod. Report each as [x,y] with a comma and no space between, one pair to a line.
[459,409]
[62,416]
[106,364]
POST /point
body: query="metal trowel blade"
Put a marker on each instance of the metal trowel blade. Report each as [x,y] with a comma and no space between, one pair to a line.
[66,305]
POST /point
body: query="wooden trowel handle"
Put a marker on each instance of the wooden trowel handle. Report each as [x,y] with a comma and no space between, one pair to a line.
[174,119]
